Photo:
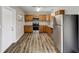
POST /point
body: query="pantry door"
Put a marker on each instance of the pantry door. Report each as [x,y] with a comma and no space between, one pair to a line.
[8,27]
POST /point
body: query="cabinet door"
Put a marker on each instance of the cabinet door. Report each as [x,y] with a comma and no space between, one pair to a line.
[28,29]
[40,28]
[28,18]
[42,17]
[49,17]
[44,28]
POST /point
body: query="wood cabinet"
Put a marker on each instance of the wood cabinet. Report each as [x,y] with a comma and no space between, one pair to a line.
[42,18]
[49,17]
[46,29]
[27,29]
[49,31]
[42,28]
[28,18]
[61,11]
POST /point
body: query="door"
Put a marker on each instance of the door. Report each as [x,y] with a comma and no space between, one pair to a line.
[8,27]
[70,33]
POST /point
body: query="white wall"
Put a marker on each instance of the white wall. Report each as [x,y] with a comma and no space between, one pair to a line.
[19,24]
[72,10]
[40,23]
[28,23]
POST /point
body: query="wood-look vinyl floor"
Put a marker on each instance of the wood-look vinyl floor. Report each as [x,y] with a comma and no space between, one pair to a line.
[33,43]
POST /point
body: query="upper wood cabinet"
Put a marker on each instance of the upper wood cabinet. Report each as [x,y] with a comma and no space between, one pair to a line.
[42,17]
[28,18]
[60,12]
[49,17]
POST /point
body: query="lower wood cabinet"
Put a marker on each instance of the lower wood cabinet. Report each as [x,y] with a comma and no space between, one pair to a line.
[46,29]
[27,29]
[42,28]
[49,31]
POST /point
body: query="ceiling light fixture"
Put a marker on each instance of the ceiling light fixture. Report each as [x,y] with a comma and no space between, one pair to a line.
[38,9]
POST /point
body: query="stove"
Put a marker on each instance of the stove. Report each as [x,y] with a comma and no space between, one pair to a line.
[35,24]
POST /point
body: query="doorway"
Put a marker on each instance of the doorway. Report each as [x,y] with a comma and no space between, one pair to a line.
[70,33]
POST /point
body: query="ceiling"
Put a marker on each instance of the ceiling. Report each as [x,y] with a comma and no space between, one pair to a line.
[31,10]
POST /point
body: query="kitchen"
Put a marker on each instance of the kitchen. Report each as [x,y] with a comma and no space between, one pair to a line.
[45,25]
[41,29]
